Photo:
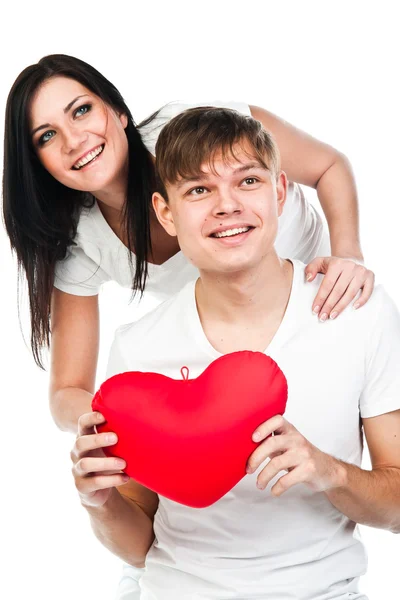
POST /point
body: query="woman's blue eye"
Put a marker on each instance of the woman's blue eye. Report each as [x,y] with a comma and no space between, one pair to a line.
[46,137]
[82,110]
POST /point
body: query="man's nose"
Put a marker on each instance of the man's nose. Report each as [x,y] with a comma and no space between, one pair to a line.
[227,203]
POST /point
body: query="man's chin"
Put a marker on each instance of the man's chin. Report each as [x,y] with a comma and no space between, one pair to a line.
[230,268]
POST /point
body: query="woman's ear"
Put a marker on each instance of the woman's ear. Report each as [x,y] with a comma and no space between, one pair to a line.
[163,213]
[124,120]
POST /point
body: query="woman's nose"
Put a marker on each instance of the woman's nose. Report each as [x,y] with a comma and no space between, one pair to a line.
[74,139]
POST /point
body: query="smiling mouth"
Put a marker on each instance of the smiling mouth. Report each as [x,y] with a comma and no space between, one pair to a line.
[88,158]
[231,232]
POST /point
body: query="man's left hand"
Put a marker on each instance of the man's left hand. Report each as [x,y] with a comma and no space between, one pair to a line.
[290,451]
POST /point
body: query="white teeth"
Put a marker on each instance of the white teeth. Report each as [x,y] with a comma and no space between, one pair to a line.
[230,232]
[84,161]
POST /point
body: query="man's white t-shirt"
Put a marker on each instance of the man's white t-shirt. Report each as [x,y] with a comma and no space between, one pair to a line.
[249,544]
[100,256]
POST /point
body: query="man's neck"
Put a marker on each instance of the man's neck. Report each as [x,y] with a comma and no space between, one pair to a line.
[242,311]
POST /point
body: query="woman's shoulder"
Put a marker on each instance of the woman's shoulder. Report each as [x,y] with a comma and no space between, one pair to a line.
[92,228]
[173,108]
[150,128]
[92,258]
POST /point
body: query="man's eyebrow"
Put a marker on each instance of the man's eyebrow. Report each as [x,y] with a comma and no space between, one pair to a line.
[252,165]
[184,180]
[205,176]
[66,109]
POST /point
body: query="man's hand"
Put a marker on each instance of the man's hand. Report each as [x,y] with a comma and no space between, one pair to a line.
[95,474]
[344,278]
[290,451]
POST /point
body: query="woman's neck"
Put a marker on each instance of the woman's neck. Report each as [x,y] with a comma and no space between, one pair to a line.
[114,218]
[163,245]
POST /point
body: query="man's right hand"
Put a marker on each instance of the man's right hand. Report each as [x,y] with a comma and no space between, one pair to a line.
[95,474]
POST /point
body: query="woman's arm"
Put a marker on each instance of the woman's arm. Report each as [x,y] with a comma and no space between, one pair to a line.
[74,352]
[311,162]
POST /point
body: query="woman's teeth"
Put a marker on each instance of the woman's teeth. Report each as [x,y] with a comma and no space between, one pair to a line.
[89,157]
[230,232]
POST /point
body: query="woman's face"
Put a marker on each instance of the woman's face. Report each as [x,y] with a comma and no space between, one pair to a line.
[78,138]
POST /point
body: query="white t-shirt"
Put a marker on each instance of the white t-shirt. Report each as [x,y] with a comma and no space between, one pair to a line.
[250,544]
[100,256]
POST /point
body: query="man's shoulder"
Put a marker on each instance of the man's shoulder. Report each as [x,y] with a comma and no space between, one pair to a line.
[379,308]
[159,324]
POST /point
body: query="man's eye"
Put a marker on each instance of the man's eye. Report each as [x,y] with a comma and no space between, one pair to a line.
[250,180]
[197,191]
[82,110]
[46,137]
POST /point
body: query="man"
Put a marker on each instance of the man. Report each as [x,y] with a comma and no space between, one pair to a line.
[221,192]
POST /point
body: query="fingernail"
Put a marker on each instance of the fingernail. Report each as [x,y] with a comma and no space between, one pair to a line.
[257,437]
[323,317]
[309,276]
[333,315]
[120,464]
[248,469]
[316,310]
[356,305]
[125,477]
[260,485]
[111,438]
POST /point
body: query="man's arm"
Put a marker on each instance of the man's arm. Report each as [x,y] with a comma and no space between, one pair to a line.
[308,161]
[367,497]
[123,527]
[373,497]
[121,510]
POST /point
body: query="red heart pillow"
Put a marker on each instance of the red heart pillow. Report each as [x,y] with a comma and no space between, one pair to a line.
[189,440]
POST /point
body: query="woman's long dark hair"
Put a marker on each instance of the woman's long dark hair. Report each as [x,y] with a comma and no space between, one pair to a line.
[41,214]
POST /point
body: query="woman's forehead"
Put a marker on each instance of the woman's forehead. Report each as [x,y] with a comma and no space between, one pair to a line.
[54,95]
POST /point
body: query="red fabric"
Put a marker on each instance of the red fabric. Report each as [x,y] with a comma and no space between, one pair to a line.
[189,439]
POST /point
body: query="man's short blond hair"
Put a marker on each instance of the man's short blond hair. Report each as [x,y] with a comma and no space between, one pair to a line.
[194,138]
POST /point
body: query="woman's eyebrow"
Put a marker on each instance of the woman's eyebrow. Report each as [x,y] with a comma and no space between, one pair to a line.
[70,105]
[66,109]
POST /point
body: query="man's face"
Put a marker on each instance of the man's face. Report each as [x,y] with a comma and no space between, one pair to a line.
[226,219]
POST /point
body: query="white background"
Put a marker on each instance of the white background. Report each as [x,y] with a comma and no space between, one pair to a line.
[331,68]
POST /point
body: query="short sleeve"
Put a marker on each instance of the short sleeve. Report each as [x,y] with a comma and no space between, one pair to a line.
[79,274]
[116,361]
[151,131]
[381,392]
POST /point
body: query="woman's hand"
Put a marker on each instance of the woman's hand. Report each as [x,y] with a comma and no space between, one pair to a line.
[95,474]
[344,278]
[290,451]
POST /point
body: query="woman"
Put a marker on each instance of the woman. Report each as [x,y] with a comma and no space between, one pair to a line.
[78,178]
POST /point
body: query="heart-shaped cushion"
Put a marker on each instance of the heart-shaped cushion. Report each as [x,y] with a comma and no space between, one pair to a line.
[189,439]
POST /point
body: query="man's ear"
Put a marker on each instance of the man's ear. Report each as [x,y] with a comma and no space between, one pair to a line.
[281,191]
[163,213]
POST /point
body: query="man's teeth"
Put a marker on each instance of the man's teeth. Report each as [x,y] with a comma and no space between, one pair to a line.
[230,232]
[88,157]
